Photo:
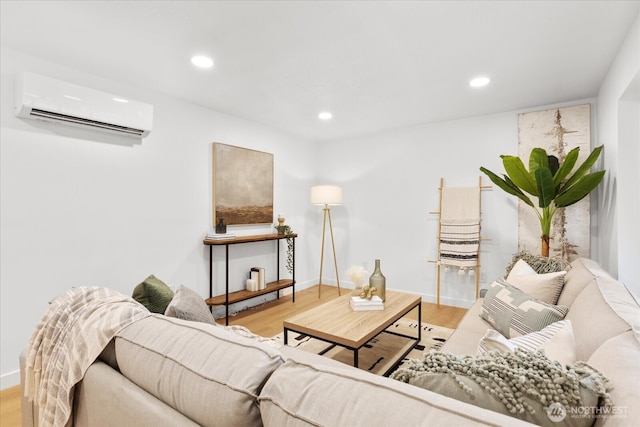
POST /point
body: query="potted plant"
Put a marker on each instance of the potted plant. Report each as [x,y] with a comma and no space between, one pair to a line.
[288,233]
[550,181]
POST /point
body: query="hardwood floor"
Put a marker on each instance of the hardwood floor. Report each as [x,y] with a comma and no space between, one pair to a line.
[265,320]
[10,407]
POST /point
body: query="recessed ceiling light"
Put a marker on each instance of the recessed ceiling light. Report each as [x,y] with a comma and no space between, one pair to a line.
[479,82]
[325,115]
[202,61]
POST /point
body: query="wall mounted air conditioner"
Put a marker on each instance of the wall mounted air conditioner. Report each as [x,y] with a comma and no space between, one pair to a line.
[43,98]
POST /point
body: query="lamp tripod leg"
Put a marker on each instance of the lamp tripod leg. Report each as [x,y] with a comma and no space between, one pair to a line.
[333,246]
[324,223]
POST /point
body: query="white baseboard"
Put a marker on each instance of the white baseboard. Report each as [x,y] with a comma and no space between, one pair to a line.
[9,380]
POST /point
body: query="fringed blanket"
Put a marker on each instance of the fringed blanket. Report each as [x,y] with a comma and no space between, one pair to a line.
[459,242]
[460,226]
[70,336]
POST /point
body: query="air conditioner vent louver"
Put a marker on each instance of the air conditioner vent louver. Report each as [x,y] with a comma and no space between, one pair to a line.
[86,122]
[47,99]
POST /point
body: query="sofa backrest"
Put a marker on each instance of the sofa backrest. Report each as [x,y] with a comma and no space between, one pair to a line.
[309,391]
[210,374]
[600,307]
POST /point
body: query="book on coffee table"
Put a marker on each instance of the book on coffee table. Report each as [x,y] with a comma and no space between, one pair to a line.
[363,304]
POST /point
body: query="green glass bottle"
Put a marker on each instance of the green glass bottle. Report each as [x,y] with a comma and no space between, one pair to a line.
[378,281]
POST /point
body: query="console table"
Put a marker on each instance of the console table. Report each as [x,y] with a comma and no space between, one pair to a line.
[233,297]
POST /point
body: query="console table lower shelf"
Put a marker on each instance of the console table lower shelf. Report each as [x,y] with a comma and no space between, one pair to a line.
[234,297]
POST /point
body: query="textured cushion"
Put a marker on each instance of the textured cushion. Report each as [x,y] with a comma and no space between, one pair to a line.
[318,394]
[513,312]
[545,287]
[619,359]
[154,294]
[556,340]
[511,393]
[189,305]
[211,375]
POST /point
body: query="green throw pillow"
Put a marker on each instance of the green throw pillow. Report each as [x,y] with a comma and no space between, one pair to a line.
[154,294]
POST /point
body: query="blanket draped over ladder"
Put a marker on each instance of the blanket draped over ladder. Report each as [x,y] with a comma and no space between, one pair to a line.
[460,226]
[70,336]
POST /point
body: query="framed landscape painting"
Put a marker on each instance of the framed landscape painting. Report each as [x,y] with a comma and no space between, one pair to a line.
[242,185]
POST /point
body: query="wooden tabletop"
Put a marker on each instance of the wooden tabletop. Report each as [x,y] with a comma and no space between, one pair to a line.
[248,239]
[336,322]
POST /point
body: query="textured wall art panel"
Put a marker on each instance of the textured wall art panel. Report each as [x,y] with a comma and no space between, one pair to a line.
[557,131]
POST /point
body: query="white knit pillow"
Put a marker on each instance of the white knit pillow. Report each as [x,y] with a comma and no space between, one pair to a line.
[545,287]
[557,341]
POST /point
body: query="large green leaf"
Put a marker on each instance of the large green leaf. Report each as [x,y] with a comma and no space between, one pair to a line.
[537,159]
[519,174]
[566,167]
[585,167]
[579,190]
[554,164]
[546,190]
[507,185]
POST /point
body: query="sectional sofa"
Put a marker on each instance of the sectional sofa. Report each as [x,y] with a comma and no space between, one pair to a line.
[163,371]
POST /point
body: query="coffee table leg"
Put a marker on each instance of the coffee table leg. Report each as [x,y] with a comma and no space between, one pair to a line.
[286,336]
[419,323]
[355,357]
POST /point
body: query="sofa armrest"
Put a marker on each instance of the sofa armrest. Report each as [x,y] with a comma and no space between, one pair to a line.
[29,416]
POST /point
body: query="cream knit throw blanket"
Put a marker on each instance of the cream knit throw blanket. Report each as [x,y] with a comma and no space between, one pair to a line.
[70,336]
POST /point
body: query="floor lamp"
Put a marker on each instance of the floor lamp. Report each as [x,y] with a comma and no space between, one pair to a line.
[325,195]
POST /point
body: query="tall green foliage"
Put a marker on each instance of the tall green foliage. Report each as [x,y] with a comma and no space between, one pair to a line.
[551,182]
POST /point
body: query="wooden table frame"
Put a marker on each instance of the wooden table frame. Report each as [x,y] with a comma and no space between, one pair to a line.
[336,323]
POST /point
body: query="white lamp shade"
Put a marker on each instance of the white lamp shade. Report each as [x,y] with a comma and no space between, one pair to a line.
[326,195]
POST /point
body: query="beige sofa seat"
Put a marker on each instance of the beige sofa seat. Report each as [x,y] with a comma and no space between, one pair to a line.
[470,330]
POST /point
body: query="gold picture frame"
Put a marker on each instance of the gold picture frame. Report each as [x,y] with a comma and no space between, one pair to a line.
[242,185]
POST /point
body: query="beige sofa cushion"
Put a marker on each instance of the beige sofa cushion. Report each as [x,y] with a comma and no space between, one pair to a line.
[315,394]
[211,375]
[596,314]
[578,277]
[619,359]
[470,330]
[105,398]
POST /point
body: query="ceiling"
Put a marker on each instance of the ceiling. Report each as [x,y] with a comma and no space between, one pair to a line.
[375,65]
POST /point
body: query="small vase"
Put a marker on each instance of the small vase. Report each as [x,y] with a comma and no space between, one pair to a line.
[378,281]
[221,228]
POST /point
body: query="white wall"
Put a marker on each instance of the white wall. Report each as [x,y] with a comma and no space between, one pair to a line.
[391,184]
[80,208]
[618,123]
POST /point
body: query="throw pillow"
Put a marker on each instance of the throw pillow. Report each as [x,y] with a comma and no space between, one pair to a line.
[522,384]
[187,304]
[545,287]
[512,312]
[556,340]
[154,294]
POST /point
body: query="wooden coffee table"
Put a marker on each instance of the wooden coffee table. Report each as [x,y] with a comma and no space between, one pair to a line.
[336,323]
